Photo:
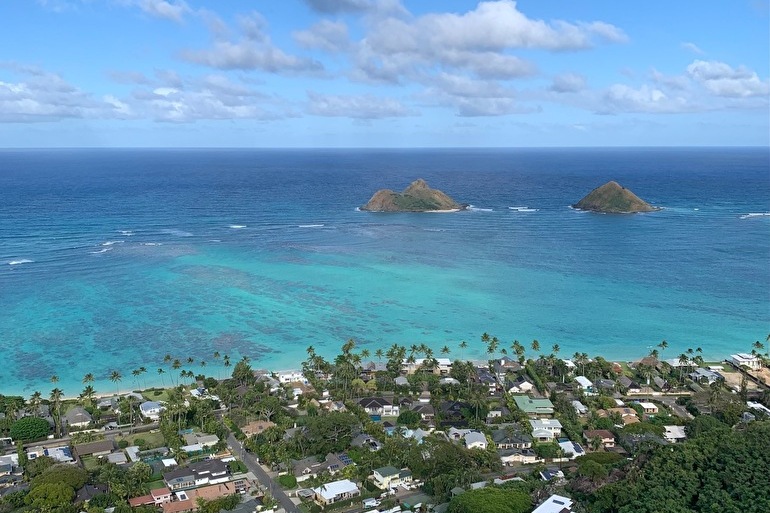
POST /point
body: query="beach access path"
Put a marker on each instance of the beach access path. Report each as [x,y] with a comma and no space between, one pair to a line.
[264,479]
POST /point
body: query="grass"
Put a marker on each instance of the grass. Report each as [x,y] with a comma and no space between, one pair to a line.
[154,485]
[149,394]
[89,462]
[153,439]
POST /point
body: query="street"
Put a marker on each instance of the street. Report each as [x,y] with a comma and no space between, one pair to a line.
[266,481]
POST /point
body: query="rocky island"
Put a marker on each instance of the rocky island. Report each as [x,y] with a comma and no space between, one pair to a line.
[613,198]
[418,197]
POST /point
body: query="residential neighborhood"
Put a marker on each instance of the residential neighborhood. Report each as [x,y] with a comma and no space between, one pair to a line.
[412,434]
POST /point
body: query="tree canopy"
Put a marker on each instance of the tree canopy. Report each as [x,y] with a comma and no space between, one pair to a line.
[491,500]
[29,428]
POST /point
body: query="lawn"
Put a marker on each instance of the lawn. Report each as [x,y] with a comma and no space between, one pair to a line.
[153,439]
[150,394]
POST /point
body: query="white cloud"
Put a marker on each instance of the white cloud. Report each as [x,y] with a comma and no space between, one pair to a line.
[173,11]
[568,83]
[37,95]
[721,79]
[692,47]
[357,107]
[330,36]
[355,6]
[622,98]
[253,51]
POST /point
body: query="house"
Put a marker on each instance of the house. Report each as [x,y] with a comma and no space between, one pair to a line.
[555,504]
[337,491]
[511,437]
[98,449]
[604,384]
[525,456]
[519,385]
[533,407]
[503,366]
[311,467]
[453,413]
[256,427]
[287,376]
[78,417]
[88,492]
[548,475]
[367,442]
[606,438]
[705,376]
[201,439]
[390,477]
[571,450]
[379,406]
[151,410]
[674,434]
[117,458]
[751,361]
[160,496]
[627,415]
[545,430]
[470,437]
[448,382]
[485,377]
[584,384]
[197,474]
[759,407]
[401,381]
[427,412]
[61,454]
[631,386]
[580,408]
[649,408]
[498,412]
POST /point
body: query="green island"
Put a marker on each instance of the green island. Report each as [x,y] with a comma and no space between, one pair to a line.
[402,429]
[613,198]
[418,197]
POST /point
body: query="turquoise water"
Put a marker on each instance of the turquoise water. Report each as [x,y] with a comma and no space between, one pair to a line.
[134,254]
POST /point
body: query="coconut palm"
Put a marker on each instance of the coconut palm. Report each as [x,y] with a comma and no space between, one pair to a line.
[54,379]
[365,353]
[378,353]
[463,345]
[519,350]
[116,377]
[88,378]
[160,373]
[56,397]
[34,401]
[87,394]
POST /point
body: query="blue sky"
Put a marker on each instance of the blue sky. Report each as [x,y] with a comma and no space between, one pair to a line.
[383,73]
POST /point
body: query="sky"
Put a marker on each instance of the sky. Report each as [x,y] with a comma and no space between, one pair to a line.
[384,73]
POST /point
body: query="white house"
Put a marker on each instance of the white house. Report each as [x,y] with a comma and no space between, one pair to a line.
[151,410]
[545,430]
[555,504]
[580,408]
[674,433]
[330,493]
[475,440]
[287,376]
[649,408]
[748,360]
[390,477]
[584,383]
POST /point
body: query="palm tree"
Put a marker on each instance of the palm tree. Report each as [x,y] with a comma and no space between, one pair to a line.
[176,365]
[683,361]
[54,379]
[535,345]
[34,402]
[135,373]
[663,345]
[378,353]
[463,345]
[56,396]
[116,377]
[143,370]
[160,373]
[519,350]
[87,394]
[88,378]
[365,354]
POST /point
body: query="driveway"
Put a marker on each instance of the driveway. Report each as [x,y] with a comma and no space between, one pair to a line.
[266,481]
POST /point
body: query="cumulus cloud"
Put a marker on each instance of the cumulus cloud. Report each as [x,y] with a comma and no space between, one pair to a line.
[479,42]
[173,10]
[356,107]
[692,47]
[253,51]
[623,98]
[326,35]
[355,6]
[568,83]
[721,79]
[213,97]
[37,95]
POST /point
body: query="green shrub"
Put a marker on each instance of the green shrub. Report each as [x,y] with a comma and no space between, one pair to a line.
[29,428]
[287,481]
[122,444]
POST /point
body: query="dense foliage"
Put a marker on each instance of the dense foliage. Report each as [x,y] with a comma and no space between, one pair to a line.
[491,500]
[30,428]
[720,470]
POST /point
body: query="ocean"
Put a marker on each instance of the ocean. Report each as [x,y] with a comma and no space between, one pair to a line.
[111,259]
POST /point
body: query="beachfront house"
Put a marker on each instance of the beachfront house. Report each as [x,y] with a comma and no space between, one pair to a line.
[330,493]
[151,410]
[751,361]
[390,477]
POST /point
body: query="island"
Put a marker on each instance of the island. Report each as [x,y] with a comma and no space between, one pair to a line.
[418,197]
[613,198]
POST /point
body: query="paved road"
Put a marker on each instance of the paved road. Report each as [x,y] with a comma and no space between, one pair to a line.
[264,479]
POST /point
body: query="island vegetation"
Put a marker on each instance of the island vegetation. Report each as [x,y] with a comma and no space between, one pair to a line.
[613,198]
[418,197]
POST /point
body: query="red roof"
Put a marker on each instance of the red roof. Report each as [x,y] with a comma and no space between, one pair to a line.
[144,500]
[160,492]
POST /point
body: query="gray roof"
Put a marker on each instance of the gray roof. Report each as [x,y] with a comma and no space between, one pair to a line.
[78,415]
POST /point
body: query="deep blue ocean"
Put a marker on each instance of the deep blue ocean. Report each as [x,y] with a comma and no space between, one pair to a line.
[111,259]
